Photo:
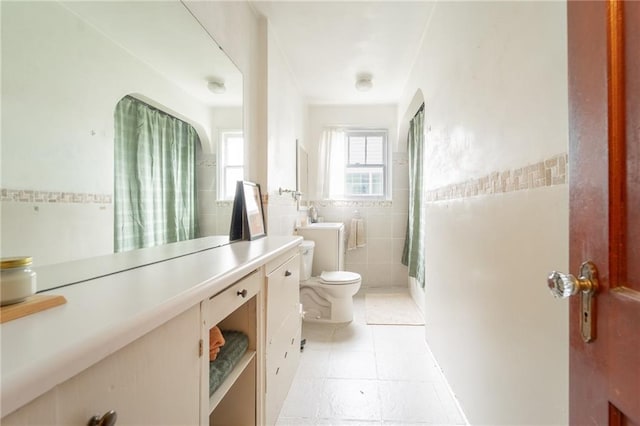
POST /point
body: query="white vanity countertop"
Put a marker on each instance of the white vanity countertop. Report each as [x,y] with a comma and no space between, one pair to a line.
[105,314]
[51,276]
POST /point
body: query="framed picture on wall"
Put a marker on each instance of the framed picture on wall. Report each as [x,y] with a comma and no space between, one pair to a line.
[247,217]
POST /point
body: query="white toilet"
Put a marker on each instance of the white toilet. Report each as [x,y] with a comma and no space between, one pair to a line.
[327,297]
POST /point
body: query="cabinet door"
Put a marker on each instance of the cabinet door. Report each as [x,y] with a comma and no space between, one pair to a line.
[283,294]
[152,381]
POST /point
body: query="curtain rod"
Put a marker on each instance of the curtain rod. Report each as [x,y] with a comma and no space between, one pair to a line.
[156,108]
[419,109]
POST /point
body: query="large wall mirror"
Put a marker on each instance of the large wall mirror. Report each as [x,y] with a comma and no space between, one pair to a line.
[65,67]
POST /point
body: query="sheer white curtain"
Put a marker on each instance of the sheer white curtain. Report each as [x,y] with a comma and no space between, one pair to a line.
[331,164]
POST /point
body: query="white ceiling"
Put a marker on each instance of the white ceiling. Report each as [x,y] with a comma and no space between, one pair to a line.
[170,42]
[328,43]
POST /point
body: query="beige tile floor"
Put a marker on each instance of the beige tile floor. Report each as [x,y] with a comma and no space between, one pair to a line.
[359,374]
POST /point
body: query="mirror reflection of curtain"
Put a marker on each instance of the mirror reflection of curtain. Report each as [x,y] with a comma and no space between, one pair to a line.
[155,178]
[413,253]
[331,164]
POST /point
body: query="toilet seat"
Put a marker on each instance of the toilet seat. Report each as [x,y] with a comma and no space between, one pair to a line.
[328,296]
[339,277]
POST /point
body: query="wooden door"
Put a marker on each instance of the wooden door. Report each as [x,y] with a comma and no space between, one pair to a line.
[604,152]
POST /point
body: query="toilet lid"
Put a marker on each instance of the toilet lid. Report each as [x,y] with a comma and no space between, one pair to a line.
[339,277]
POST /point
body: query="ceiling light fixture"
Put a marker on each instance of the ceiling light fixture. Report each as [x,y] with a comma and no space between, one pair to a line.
[364,83]
[216,87]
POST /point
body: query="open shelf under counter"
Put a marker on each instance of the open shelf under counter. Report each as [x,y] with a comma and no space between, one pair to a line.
[231,379]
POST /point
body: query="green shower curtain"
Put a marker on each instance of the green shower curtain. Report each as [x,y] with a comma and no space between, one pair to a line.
[413,253]
[154,172]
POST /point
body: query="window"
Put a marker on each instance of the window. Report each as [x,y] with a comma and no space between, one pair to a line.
[230,163]
[353,164]
[365,163]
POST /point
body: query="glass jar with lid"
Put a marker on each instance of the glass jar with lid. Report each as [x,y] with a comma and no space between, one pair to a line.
[17,279]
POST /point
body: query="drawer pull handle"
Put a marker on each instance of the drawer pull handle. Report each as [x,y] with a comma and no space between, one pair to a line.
[285,354]
[287,273]
[109,419]
[242,293]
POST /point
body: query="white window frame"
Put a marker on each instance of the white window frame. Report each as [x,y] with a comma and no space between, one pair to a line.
[384,165]
[222,165]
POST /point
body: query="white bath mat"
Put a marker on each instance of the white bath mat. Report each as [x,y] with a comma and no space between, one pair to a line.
[392,309]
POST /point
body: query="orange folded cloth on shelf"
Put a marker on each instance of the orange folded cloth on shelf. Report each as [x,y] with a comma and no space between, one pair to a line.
[213,354]
[216,340]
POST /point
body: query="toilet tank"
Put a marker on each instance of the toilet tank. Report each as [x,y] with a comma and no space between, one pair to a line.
[328,253]
[306,259]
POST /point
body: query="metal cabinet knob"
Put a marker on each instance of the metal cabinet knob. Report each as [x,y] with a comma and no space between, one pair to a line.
[242,293]
[109,419]
[287,273]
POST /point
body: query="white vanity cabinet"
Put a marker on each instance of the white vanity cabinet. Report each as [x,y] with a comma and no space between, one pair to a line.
[146,356]
[152,381]
[283,326]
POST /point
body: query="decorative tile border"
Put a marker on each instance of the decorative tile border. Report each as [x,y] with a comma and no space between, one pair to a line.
[32,196]
[400,159]
[206,161]
[352,203]
[553,171]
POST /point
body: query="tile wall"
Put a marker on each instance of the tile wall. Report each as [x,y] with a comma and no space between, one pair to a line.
[214,217]
[379,262]
[282,214]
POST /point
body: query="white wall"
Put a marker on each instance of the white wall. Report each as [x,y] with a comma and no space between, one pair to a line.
[379,262]
[493,76]
[286,122]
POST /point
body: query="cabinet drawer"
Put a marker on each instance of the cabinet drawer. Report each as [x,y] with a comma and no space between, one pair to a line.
[283,357]
[280,260]
[283,294]
[219,306]
[284,350]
